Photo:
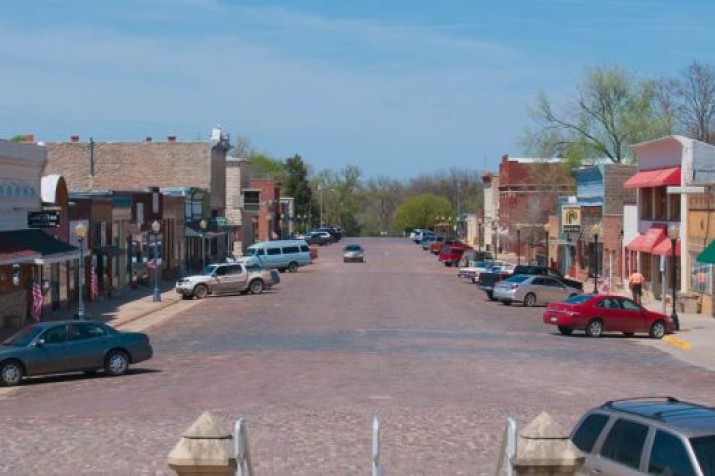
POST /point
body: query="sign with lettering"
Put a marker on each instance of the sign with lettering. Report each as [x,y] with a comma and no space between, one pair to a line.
[45,219]
[571,219]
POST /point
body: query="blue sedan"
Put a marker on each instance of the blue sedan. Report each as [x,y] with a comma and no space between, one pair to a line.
[70,346]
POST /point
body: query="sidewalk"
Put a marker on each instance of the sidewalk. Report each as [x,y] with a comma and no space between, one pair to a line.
[694,343]
[118,310]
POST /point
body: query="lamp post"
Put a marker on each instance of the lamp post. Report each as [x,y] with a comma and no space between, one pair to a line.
[518,245]
[479,234]
[80,232]
[595,230]
[155,227]
[202,225]
[673,234]
[546,231]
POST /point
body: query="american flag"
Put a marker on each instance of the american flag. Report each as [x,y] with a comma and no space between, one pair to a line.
[93,286]
[36,309]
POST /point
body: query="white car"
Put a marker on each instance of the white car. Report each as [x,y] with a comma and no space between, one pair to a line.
[471,272]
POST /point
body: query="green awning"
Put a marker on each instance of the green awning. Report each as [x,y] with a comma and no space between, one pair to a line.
[708,254]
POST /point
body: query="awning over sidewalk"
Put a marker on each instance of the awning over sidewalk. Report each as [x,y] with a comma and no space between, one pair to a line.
[665,248]
[13,254]
[46,248]
[646,242]
[654,178]
[708,254]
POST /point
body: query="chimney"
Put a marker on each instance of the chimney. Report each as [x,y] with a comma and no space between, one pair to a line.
[74,139]
[148,139]
[171,138]
[29,138]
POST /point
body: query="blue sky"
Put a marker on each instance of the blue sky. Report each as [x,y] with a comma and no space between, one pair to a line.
[398,88]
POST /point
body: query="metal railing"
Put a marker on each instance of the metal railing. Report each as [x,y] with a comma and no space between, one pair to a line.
[376,471]
[243,452]
[507,450]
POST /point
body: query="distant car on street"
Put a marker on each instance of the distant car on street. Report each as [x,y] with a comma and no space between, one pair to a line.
[320,238]
[353,252]
[450,255]
[225,278]
[599,313]
[532,290]
[70,346]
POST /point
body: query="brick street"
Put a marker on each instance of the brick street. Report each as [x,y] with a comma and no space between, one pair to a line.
[309,363]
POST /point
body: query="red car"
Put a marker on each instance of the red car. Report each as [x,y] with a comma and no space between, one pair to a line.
[437,246]
[599,313]
[450,255]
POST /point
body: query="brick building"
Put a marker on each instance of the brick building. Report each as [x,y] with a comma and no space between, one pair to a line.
[266,221]
[529,190]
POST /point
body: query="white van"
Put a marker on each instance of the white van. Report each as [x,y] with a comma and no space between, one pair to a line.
[281,254]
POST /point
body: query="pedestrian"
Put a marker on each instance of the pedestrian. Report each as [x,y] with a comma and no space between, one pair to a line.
[635,282]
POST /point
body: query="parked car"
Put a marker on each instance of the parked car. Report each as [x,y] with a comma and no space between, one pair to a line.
[659,435]
[488,280]
[532,290]
[437,246]
[451,254]
[353,252]
[319,238]
[286,255]
[224,278]
[417,234]
[70,346]
[599,313]
[274,276]
[473,268]
[427,240]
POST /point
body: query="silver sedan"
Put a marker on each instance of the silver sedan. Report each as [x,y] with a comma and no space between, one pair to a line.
[353,252]
[532,290]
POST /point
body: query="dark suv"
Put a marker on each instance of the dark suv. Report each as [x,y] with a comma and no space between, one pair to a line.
[653,435]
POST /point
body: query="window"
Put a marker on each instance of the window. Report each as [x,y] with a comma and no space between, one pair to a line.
[629,305]
[234,269]
[669,456]
[660,203]
[625,443]
[87,331]
[305,248]
[55,335]
[646,197]
[273,251]
[587,433]
[701,276]
[290,249]
[221,270]
[704,449]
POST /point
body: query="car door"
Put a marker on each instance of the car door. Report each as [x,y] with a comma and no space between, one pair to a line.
[669,455]
[609,310]
[633,316]
[87,345]
[622,450]
[239,277]
[555,291]
[221,284]
[51,354]
[539,288]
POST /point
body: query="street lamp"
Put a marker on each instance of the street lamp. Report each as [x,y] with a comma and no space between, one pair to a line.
[202,225]
[518,244]
[673,234]
[546,231]
[595,230]
[479,234]
[155,227]
[80,232]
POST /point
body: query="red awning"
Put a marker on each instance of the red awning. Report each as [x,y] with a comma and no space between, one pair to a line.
[13,254]
[647,242]
[654,178]
[665,248]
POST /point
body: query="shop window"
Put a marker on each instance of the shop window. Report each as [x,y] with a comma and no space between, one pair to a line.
[660,200]
[674,204]
[646,198]
[701,277]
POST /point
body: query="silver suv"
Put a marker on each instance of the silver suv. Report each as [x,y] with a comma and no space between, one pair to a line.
[225,278]
[659,435]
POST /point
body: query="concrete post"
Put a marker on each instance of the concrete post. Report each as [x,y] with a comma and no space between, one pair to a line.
[205,448]
[543,448]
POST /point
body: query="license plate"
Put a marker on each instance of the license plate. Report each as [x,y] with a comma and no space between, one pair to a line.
[554,319]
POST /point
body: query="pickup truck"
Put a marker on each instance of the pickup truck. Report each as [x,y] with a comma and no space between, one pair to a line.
[487,281]
[438,244]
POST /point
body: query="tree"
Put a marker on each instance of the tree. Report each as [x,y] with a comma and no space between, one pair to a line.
[421,211]
[695,92]
[611,111]
[381,198]
[296,184]
[263,166]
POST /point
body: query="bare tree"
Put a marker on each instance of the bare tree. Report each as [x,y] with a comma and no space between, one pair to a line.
[695,90]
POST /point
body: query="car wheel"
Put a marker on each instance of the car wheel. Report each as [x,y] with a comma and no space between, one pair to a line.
[256,286]
[490,295]
[201,291]
[530,300]
[567,331]
[594,328]
[116,363]
[11,373]
[292,267]
[657,330]
[628,334]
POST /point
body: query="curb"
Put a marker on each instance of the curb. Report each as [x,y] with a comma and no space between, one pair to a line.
[128,320]
[672,340]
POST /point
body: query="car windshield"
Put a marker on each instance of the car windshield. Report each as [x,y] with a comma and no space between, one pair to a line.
[704,449]
[352,248]
[578,299]
[517,279]
[208,270]
[23,337]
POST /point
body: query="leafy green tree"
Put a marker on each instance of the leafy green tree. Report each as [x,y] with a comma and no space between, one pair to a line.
[611,111]
[421,211]
[296,184]
[263,166]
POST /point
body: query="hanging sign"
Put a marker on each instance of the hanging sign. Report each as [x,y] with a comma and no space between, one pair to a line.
[571,219]
[44,219]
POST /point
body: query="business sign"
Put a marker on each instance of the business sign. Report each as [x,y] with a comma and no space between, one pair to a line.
[571,219]
[46,219]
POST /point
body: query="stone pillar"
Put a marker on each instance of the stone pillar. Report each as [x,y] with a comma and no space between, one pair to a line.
[543,448]
[206,447]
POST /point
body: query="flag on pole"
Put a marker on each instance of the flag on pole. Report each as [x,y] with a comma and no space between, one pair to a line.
[93,285]
[36,308]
